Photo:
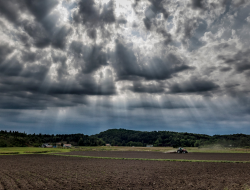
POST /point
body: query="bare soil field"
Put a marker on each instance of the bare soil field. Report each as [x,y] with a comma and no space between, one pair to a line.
[160,155]
[60,172]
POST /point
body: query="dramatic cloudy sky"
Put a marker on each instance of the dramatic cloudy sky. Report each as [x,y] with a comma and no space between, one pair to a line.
[84,66]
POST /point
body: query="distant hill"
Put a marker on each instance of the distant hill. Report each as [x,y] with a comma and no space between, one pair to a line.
[124,137]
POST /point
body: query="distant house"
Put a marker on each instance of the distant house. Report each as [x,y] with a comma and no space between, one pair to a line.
[46,145]
[108,145]
[149,145]
[58,145]
[67,145]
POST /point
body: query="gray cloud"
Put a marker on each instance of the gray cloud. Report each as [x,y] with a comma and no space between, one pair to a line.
[194,85]
[127,65]
[5,50]
[10,10]
[92,33]
[90,58]
[198,4]
[40,9]
[138,87]
[92,16]
[240,61]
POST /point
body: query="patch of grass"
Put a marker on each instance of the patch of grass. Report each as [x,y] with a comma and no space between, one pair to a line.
[218,150]
[146,159]
[32,150]
[9,153]
[37,152]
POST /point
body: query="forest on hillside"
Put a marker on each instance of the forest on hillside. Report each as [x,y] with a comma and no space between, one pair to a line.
[124,137]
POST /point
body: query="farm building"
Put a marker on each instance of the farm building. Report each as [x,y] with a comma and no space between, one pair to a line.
[67,145]
[58,145]
[47,145]
[149,145]
[108,145]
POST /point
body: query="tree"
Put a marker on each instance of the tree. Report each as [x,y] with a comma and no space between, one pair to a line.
[80,142]
[3,144]
[197,143]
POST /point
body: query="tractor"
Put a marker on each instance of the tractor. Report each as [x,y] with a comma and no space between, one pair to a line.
[181,150]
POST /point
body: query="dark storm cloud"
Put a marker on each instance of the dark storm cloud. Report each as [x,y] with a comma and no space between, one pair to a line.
[5,50]
[94,17]
[24,82]
[138,87]
[60,37]
[40,9]
[107,14]
[240,61]
[225,69]
[38,33]
[198,4]
[83,85]
[90,58]
[194,85]
[44,30]
[36,101]
[45,33]
[11,67]
[208,70]
[10,10]
[147,23]
[126,65]
[89,14]
[62,69]
[92,33]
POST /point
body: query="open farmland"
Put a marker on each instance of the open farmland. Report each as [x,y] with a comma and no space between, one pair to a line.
[61,172]
[160,155]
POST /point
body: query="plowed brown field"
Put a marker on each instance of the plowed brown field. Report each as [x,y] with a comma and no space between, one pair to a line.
[60,172]
[160,155]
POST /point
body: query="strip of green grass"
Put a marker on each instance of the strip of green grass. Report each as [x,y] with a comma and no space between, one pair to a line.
[146,159]
[9,153]
[37,152]
[32,150]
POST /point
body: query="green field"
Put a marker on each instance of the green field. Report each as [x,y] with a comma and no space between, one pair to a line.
[164,149]
[30,150]
[33,150]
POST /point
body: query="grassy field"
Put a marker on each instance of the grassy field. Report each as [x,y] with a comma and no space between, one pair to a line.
[164,149]
[32,150]
[218,150]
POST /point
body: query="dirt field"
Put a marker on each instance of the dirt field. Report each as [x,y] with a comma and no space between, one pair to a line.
[59,172]
[160,155]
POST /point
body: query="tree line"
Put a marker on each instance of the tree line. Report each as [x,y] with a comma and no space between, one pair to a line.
[124,137]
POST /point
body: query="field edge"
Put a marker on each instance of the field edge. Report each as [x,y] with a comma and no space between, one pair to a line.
[147,159]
